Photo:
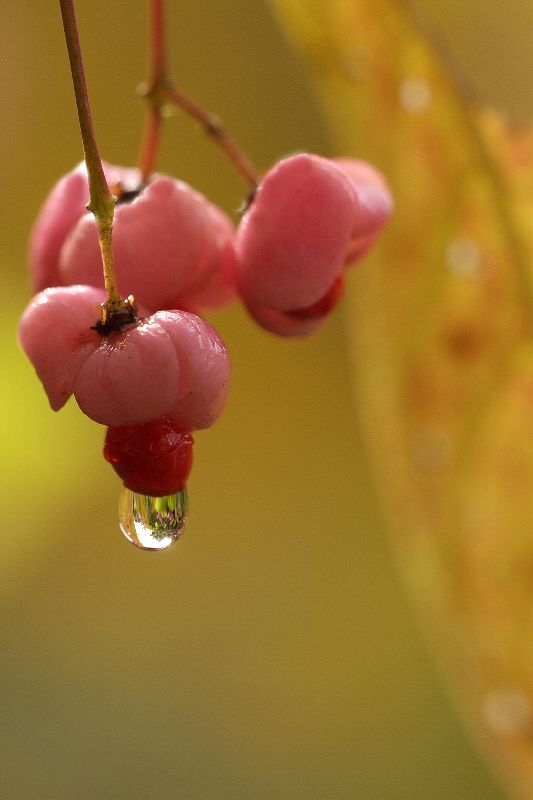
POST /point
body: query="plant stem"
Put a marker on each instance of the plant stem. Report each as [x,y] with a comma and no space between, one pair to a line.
[157,70]
[160,91]
[215,130]
[101,201]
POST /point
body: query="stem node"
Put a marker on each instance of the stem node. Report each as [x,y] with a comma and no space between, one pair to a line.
[159,92]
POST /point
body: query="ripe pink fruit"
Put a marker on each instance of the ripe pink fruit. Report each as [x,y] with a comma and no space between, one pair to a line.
[173,249]
[375,205]
[154,458]
[310,216]
[171,363]
[61,211]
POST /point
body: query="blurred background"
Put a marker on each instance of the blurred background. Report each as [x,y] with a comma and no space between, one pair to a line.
[271,653]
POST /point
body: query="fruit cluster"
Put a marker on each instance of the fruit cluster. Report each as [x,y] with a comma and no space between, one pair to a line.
[154,371]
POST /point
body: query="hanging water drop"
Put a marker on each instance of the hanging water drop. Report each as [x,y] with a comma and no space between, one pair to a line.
[152,523]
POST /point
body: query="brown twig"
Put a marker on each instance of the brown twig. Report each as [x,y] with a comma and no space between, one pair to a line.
[160,91]
[101,201]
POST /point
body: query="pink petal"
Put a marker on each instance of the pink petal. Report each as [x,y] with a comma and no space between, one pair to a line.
[55,333]
[292,241]
[61,210]
[205,369]
[220,283]
[374,204]
[129,377]
[64,206]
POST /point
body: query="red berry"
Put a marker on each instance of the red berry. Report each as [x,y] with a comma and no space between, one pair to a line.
[153,458]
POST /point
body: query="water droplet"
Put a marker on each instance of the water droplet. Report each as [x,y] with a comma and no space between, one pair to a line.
[415,95]
[507,712]
[463,256]
[152,523]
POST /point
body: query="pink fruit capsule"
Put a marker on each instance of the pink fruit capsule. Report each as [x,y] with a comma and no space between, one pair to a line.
[134,375]
[309,218]
[292,240]
[173,249]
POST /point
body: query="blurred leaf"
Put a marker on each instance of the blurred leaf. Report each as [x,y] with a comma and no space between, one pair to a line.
[440,324]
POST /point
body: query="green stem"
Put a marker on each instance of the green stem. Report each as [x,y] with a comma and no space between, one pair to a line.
[101,201]
[159,91]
